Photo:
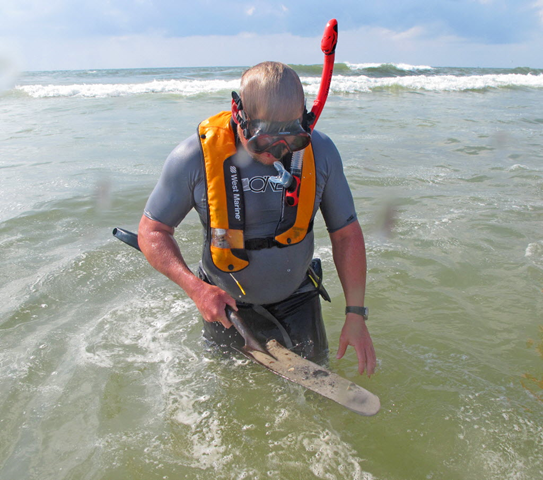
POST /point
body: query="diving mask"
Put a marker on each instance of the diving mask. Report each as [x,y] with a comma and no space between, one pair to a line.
[264,136]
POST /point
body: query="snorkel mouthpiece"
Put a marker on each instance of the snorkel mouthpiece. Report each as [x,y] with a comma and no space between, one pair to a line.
[283,178]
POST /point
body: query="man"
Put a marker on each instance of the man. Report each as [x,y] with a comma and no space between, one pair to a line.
[258,248]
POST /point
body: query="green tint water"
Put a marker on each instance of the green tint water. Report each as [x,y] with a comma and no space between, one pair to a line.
[103,371]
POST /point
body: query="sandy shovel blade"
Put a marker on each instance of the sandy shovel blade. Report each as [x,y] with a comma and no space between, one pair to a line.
[318,379]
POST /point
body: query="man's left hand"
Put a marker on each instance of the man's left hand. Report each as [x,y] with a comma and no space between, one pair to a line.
[355,333]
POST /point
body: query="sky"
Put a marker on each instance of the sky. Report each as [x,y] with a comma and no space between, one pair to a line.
[101,34]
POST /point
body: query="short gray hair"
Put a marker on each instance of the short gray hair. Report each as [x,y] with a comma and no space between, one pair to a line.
[272,91]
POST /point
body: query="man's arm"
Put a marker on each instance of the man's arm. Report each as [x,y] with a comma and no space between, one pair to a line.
[350,258]
[162,252]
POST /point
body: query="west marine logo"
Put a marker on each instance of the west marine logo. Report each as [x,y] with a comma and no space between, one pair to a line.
[260,184]
[236,192]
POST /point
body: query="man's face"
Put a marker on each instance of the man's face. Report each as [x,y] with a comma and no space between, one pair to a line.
[265,158]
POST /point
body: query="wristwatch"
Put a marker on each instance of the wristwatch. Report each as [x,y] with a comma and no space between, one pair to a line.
[362,311]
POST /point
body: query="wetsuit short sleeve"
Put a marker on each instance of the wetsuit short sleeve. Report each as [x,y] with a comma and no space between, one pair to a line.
[337,205]
[174,195]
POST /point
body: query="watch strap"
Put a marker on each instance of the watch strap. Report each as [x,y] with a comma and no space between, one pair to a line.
[362,311]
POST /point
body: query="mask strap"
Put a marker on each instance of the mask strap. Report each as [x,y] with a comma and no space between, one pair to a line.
[308,119]
[239,115]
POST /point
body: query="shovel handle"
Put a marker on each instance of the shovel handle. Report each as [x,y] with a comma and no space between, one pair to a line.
[127,237]
[251,343]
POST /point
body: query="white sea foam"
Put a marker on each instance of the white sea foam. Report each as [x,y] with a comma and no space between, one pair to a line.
[442,83]
[534,251]
[340,84]
[517,167]
[399,66]
[97,90]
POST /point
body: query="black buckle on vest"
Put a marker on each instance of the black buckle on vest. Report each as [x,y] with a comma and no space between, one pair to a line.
[268,242]
[260,243]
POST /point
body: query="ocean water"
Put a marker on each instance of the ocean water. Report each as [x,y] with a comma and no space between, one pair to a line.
[103,373]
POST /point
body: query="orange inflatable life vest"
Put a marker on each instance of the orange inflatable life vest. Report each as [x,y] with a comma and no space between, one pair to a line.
[225,200]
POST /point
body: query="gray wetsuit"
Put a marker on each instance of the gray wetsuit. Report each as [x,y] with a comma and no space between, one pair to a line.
[274,274]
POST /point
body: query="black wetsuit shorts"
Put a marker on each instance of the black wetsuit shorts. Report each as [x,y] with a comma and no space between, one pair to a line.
[300,315]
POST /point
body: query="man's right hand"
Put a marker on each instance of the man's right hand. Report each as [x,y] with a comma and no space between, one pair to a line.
[211,301]
[161,250]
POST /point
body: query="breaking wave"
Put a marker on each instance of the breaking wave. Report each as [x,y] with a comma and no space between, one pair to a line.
[348,79]
[97,90]
[387,67]
[437,83]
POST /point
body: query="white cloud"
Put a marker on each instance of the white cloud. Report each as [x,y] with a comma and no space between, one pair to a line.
[411,34]
[364,45]
[15,11]
[416,47]
[538,5]
[139,51]
[46,35]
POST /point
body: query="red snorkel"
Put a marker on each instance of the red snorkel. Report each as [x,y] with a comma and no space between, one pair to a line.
[328,47]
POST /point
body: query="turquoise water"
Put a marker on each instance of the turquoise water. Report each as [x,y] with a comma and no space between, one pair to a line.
[103,374]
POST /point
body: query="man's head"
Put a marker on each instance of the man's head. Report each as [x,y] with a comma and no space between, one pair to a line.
[272,91]
[272,99]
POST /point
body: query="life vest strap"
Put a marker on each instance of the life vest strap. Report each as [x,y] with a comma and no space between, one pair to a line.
[262,243]
[268,242]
